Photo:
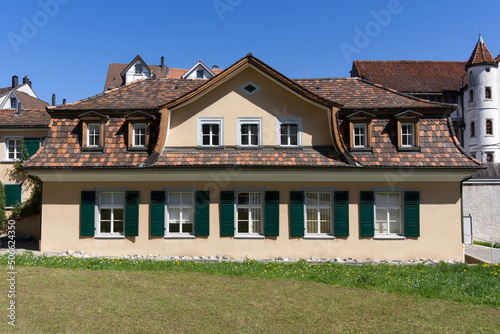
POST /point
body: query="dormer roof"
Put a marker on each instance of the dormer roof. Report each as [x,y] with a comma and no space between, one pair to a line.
[480,55]
[137,58]
[192,69]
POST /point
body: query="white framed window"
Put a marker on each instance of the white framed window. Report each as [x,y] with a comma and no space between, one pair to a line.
[407,134]
[249,213]
[13,103]
[199,74]
[93,134]
[319,213]
[13,148]
[210,131]
[359,135]
[388,213]
[138,69]
[289,131]
[249,88]
[249,131]
[139,134]
[111,213]
[179,213]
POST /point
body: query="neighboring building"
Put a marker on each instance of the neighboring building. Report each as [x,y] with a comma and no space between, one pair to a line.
[122,74]
[23,126]
[473,86]
[253,164]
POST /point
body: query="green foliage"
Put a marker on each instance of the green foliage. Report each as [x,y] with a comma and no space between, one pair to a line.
[32,206]
[487,244]
[2,206]
[467,284]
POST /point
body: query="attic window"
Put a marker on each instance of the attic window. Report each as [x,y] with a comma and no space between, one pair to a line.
[199,74]
[250,88]
[13,103]
[138,69]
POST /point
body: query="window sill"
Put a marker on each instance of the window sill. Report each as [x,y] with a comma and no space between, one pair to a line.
[409,149]
[179,236]
[11,161]
[290,147]
[319,237]
[138,148]
[361,150]
[256,147]
[249,236]
[97,149]
[389,237]
[109,237]
[201,147]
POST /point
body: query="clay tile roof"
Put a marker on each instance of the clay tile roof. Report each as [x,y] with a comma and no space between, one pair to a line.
[27,118]
[312,157]
[140,94]
[481,54]
[437,148]
[30,102]
[355,93]
[412,76]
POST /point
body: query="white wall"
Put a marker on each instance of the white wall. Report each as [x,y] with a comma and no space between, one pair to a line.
[130,75]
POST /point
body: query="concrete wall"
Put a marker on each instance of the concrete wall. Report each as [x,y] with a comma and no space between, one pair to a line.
[440,229]
[481,202]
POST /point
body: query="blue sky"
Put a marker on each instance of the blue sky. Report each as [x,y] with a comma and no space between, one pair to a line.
[65,46]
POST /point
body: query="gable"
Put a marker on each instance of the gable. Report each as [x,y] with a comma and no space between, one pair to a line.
[199,71]
[230,101]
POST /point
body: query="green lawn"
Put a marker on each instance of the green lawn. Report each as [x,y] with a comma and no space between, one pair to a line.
[51,300]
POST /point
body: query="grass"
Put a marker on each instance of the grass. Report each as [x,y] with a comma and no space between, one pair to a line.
[487,244]
[478,284]
[162,300]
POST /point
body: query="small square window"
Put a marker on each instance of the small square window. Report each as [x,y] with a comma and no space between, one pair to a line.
[249,132]
[487,93]
[140,134]
[13,149]
[93,134]
[199,74]
[13,103]
[407,134]
[210,131]
[289,131]
[489,156]
[138,69]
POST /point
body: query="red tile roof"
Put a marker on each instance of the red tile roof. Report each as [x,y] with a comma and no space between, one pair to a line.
[355,93]
[312,157]
[30,102]
[413,76]
[27,118]
[481,54]
[140,94]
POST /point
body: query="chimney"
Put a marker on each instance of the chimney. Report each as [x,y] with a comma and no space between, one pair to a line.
[18,108]
[15,81]
[162,62]
[64,101]
[214,67]
[53,99]
[25,80]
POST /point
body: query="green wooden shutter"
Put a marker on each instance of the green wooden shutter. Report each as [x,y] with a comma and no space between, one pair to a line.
[157,213]
[87,214]
[202,214]
[226,213]
[341,207]
[272,214]
[13,194]
[32,145]
[367,223]
[132,213]
[296,213]
[412,214]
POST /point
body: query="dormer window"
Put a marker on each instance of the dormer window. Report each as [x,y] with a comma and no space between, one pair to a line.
[138,69]
[138,130]
[199,74]
[289,131]
[93,134]
[93,130]
[139,134]
[13,103]
[210,131]
[360,131]
[408,130]
[407,135]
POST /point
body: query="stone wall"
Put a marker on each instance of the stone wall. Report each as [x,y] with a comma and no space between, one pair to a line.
[481,201]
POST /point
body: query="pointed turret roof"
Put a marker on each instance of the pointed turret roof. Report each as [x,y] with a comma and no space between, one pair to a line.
[480,55]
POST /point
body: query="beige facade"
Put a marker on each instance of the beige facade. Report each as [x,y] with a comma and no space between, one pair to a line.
[440,232]
[270,103]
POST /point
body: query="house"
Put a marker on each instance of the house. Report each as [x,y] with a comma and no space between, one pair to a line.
[253,164]
[23,126]
[122,74]
[474,86]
